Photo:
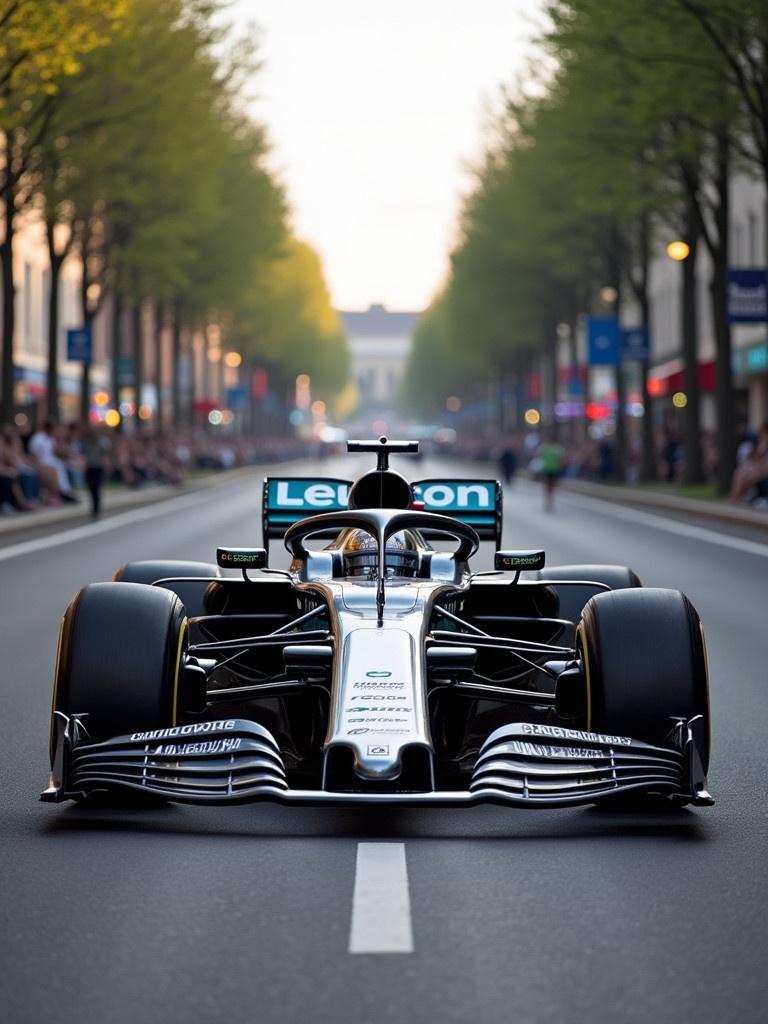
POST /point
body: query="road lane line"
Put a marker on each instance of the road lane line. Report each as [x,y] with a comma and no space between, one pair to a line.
[381,905]
[89,530]
[632,515]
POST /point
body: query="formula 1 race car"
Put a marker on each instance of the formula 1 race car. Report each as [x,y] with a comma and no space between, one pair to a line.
[379,668]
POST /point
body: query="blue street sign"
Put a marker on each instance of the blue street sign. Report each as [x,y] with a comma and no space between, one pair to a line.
[602,340]
[236,398]
[575,385]
[79,344]
[634,344]
[748,296]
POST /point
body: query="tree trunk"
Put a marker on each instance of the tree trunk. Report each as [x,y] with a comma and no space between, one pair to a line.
[158,374]
[694,471]
[116,349]
[718,286]
[85,380]
[138,361]
[615,275]
[648,471]
[9,304]
[549,379]
[176,411]
[55,261]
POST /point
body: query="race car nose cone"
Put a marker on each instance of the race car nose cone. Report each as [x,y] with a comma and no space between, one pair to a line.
[377,768]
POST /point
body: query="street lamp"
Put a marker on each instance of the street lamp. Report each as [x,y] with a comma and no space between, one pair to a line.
[678,250]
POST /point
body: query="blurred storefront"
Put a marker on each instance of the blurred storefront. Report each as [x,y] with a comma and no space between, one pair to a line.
[748,246]
[750,367]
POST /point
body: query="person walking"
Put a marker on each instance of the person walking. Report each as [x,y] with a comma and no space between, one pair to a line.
[94,449]
[551,456]
[508,463]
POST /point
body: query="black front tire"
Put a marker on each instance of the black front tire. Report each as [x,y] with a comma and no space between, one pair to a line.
[120,654]
[645,664]
[574,598]
[191,593]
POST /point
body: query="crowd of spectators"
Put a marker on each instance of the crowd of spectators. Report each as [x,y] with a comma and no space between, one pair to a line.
[750,481]
[595,458]
[55,464]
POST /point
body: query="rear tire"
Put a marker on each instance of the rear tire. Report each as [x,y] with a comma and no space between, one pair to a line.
[191,594]
[645,663]
[120,653]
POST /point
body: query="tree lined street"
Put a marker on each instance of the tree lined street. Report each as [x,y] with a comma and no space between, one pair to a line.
[218,912]
[178,321]
[133,149]
[627,134]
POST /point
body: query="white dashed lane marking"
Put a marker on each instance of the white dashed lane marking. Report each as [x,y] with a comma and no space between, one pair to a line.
[381,904]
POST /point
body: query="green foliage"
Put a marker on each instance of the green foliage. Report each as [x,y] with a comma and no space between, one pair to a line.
[41,41]
[147,157]
[627,128]
[286,318]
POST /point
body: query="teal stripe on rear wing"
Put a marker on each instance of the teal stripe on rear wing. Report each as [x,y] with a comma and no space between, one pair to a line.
[478,503]
[287,500]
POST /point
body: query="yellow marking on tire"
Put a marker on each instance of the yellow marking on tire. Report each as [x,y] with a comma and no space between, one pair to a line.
[583,636]
[706,681]
[56,679]
[179,652]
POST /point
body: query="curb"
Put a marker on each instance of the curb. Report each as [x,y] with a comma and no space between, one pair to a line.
[112,502]
[714,510]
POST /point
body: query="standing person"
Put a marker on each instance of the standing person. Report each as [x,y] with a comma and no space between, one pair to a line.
[551,456]
[671,456]
[508,463]
[94,449]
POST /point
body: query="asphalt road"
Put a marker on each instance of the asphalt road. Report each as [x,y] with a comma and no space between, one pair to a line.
[244,914]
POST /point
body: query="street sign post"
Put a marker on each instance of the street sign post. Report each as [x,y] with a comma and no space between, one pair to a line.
[602,340]
[125,370]
[236,398]
[80,344]
[747,295]
[634,344]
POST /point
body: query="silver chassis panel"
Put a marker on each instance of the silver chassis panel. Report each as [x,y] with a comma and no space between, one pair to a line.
[378,687]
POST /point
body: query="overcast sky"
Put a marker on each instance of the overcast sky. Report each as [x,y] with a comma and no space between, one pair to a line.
[374,110]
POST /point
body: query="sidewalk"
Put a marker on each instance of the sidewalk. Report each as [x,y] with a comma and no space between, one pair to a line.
[113,500]
[719,511]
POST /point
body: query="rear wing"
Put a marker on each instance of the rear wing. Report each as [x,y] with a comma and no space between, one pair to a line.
[478,503]
[287,500]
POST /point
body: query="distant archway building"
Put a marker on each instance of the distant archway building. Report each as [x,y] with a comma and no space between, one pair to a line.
[379,344]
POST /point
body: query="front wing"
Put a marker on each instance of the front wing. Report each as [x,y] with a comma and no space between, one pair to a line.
[238,761]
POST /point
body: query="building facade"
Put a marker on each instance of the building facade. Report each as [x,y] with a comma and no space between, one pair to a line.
[379,344]
[748,248]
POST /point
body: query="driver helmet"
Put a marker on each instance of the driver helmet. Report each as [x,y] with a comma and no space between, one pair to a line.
[361,555]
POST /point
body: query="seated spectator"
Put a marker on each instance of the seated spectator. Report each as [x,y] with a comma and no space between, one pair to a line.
[44,452]
[29,478]
[71,450]
[750,481]
[11,492]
